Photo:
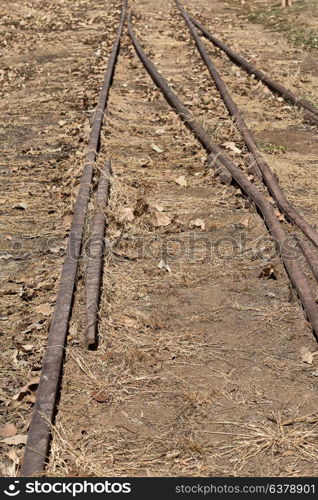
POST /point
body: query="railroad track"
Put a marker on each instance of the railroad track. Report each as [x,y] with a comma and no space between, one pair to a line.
[287,242]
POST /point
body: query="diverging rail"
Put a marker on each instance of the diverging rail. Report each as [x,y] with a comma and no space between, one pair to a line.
[287,252]
[37,445]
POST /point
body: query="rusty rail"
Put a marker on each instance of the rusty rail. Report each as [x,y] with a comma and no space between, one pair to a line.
[95,256]
[37,445]
[222,173]
[287,252]
[311,111]
[267,174]
[309,254]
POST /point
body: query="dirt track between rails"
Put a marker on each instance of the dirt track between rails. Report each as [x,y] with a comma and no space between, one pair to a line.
[200,368]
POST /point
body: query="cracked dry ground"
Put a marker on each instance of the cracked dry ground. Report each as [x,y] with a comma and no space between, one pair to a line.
[199,365]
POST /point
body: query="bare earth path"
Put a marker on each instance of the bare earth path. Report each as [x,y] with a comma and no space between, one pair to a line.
[198,369]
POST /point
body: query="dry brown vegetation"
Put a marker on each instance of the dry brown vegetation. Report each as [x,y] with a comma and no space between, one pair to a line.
[201,367]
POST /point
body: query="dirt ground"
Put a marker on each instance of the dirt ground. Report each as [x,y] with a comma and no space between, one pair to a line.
[203,366]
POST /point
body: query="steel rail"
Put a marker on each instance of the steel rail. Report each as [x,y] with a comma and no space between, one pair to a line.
[288,253]
[268,175]
[253,168]
[95,256]
[311,111]
[309,254]
[222,173]
[37,446]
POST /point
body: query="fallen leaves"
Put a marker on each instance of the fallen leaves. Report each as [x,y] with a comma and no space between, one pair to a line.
[162,219]
[20,206]
[33,326]
[79,435]
[100,396]
[8,430]
[160,131]
[128,321]
[6,256]
[25,348]
[182,181]
[66,221]
[141,208]
[164,266]
[197,223]
[269,272]
[246,222]
[26,393]
[15,440]
[56,249]
[159,208]
[45,309]
[156,148]
[171,455]
[126,214]
[279,216]
[13,455]
[232,147]
[306,355]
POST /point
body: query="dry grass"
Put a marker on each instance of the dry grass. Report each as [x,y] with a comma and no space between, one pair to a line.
[295,438]
[181,352]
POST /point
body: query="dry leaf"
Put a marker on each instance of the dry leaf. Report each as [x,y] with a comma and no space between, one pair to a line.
[156,148]
[160,131]
[79,435]
[25,393]
[45,285]
[129,321]
[173,454]
[27,347]
[66,221]
[100,396]
[306,355]
[44,309]
[162,219]
[30,398]
[34,326]
[197,223]
[159,208]
[56,249]
[232,147]
[18,439]
[141,208]
[162,265]
[8,430]
[20,206]
[6,256]
[12,455]
[279,216]
[26,426]
[182,181]
[126,215]
[269,272]
[246,222]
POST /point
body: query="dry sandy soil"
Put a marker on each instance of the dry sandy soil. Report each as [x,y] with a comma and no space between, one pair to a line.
[200,367]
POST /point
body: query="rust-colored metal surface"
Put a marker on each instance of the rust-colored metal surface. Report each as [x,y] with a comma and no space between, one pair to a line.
[39,434]
[253,168]
[309,254]
[95,256]
[267,174]
[287,251]
[222,173]
[311,111]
